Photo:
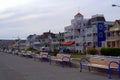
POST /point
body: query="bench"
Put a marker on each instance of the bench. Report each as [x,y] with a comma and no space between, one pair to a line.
[42,55]
[62,58]
[29,54]
[103,63]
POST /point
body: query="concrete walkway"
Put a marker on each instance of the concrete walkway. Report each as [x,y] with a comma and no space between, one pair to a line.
[14,67]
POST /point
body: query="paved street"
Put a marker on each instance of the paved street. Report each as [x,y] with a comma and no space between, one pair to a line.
[14,67]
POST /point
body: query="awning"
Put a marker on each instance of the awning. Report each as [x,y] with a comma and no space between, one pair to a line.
[68,43]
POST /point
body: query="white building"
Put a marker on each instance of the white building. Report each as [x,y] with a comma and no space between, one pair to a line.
[75,33]
[86,32]
[47,40]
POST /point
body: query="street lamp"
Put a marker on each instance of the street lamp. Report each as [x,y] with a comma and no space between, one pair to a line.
[114,5]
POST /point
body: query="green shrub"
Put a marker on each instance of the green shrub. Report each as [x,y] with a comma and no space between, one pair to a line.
[67,51]
[54,52]
[110,51]
[33,50]
[92,51]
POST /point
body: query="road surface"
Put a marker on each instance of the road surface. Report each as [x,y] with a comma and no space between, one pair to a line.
[13,67]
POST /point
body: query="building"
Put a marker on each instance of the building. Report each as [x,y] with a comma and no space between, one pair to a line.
[86,32]
[60,37]
[95,30]
[7,44]
[113,36]
[47,40]
[74,34]
[30,40]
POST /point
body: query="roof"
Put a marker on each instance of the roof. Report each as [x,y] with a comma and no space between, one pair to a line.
[118,21]
[22,41]
[46,35]
[30,36]
[78,15]
[94,19]
[115,27]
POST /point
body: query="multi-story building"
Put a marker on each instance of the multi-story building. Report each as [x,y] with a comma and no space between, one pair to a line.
[74,34]
[113,36]
[47,40]
[95,30]
[86,32]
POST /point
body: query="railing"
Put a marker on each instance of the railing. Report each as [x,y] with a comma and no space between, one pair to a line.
[36,42]
[113,38]
[102,56]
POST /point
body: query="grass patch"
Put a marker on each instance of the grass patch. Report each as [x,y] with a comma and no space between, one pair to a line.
[78,56]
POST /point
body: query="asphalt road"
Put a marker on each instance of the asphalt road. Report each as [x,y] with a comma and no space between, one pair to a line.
[13,67]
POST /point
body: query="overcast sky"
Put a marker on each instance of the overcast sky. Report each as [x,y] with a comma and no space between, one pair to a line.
[24,17]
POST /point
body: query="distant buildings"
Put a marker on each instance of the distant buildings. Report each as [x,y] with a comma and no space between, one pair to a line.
[81,33]
[47,40]
[13,44]
[77,36]
[7,43]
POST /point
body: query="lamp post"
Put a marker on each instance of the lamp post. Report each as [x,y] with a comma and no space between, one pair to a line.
[114,5]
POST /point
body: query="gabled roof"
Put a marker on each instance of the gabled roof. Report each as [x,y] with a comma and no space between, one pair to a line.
[96,18]
[118,21]
[115,27]
[78,15]
[30,36]
[22,41]
[46,35]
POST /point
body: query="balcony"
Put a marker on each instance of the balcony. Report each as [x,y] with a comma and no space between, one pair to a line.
[68,34]
[36,43]
[113,38]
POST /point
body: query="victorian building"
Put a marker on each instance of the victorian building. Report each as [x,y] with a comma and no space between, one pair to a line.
[113,35]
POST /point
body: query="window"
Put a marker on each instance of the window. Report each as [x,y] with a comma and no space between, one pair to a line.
[100,34]
[114,33]
[108,34]
[54,40]
[84,24]
[89,35]
[89,43]
[43,40]
[100,26]
[119,33]
[77,44]
[100,44]
[94,34]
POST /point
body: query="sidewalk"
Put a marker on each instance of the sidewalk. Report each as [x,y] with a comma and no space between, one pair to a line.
[28,69]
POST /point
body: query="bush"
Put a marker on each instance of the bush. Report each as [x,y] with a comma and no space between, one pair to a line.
[92,51]
[54,52]
[32,49]
[110,51]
